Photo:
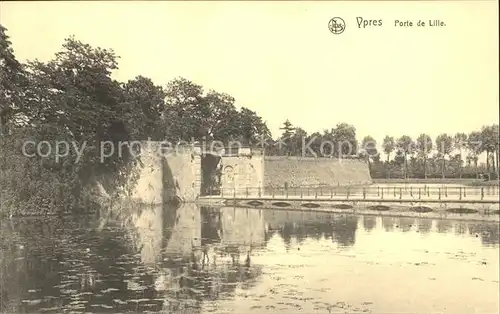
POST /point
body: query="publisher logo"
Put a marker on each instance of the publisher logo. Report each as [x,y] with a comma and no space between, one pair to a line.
[336,25]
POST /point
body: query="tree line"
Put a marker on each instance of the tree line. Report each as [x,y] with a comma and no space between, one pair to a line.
[446,156]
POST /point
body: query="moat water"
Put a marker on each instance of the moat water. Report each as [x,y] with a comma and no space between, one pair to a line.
[235,260]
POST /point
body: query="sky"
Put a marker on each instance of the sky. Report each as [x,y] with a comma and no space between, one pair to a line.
[281,60]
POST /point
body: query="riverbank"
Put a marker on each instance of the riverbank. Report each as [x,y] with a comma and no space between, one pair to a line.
[469,182]
[485,183]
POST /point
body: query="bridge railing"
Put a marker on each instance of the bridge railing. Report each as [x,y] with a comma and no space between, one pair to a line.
[377,193]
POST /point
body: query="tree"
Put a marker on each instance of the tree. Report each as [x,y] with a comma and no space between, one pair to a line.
[405,146]
[315,139]
[326,144]
[296,141]
[444,145]
[496,135]
[424,146]
[12,80]
[71,98]
[221,124]
[489,139]
[285,138]
[186,111]
[252,128]
[369,146]
[144,103]
[474,146]
[389,146]
[460,143]
[344,137]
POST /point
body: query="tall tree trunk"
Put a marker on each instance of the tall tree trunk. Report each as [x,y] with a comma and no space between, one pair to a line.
[493,162]
[475,167]
[425,167]
[460,164]
[406,168]
[443,168]
[488,162]
[387,173]
[498,165]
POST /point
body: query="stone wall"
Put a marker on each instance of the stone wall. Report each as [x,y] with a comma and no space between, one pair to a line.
[242,172]
[182,176]
[149,186]
[164,176]
[301,171]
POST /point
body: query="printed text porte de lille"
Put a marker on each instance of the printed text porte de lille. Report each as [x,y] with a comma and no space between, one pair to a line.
[366,23]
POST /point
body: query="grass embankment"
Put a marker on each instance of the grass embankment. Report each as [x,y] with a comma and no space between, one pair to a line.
[485,183]
[471,182]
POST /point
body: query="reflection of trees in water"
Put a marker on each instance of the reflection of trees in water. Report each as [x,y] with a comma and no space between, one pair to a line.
[405,224]
[63,259]
[460,228]
[369,223]
[444,226]
[213,267]
[341,229]
[191,280]
[489,232]
[31,256]
[388,223]
[424,225]
[344,230]
[303,230]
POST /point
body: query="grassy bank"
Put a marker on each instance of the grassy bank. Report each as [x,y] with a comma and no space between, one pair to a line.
[430,181]
[485,183]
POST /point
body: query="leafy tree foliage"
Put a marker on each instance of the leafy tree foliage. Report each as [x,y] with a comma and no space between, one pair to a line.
[444,144]
[424,147]
[73,99]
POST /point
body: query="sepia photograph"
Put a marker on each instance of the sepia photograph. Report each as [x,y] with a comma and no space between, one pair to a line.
[244,157]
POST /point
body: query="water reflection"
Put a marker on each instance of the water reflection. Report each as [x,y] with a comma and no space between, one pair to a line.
[405,224]
[424,225]
[344,230]
[460,228]
[388,223]
[444,226]
[489,233]
[369,222]
[154,258]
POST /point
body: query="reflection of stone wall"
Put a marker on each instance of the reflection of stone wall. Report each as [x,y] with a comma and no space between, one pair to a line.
[298,171]
[148,226]
[186,233]
[242,229]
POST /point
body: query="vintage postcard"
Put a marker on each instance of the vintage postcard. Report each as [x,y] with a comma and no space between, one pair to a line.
[249,157]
